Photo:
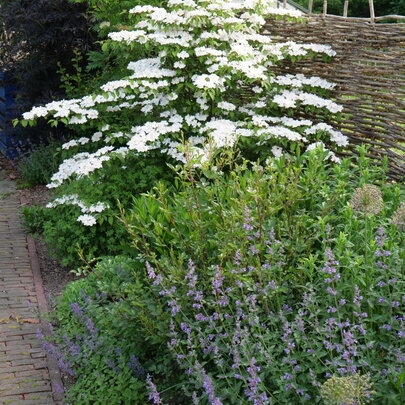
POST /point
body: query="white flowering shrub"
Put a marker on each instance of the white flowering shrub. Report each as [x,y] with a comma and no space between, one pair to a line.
[207,83]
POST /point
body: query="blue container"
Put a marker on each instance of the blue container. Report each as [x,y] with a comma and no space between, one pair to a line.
[10,142]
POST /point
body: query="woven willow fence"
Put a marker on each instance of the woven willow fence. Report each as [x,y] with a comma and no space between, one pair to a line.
[369,70]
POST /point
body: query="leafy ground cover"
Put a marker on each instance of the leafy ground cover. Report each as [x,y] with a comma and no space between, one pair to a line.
[227,254]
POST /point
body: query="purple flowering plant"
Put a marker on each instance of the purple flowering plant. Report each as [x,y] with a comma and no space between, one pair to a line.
[262,343]
[87,351]
[269,283]
[254,285]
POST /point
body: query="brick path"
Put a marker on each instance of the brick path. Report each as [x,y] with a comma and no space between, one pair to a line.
[25,377]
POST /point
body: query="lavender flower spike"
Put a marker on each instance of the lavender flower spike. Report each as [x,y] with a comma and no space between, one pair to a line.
[252,393]
[209,389]
[153,393]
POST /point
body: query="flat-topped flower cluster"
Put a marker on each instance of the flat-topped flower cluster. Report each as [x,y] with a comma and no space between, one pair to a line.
[205,57]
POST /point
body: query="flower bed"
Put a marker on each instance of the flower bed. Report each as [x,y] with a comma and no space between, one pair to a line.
[229,255]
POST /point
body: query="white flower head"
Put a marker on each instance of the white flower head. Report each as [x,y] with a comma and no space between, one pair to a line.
[87,220]
[277,151]
[212,81]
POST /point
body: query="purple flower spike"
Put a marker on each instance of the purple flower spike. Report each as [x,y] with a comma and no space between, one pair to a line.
[218,280]
[76,309]
[209,389]
[357,297]
[153,393]
[247,220]
[151,271]
[252,392]
[331,291]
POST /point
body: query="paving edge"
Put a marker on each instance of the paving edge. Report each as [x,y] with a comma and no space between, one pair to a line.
[54,372]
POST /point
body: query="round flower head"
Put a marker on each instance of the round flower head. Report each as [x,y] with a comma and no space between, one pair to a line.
[398,219]
[353,389]
[367,200]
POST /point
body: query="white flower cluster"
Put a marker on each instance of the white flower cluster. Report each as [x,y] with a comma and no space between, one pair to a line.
[81,165]
[73,199]
[149,68]
[126,36]
[335,136]
[300,80]
[205,56]
[320,145]
[222,132]
[281,50]
[63,108]
[289,99]
[212,81]
[88,220]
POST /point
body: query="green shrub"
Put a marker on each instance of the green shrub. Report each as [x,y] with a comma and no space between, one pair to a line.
[41,163]
[66,236]
[101,361]
[261,283]
[301,197]
[34,218]
[188,98]
[283,254]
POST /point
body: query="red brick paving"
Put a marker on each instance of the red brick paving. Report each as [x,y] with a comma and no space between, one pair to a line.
[26,374]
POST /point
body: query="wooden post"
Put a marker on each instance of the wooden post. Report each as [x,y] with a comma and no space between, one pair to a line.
[325,7]
[372,14]
[310,4]
[345,8]
[284,3]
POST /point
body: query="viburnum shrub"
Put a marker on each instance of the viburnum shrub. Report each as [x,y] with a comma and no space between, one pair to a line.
[206,83]
[80,199]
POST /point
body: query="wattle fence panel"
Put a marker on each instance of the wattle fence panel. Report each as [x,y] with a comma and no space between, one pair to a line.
[369,70]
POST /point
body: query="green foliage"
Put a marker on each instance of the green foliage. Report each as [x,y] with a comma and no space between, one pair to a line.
[397,7]
[302,198]
[251,229]
[359,8]
[41,163]
[66,237]
[262,243]
[34,217]
[100,358]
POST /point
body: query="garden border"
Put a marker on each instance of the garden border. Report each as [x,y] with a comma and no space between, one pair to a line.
[53,369]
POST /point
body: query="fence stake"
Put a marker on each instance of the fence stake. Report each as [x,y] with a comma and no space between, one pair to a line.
[284,3]
[325,7]
[345,8]
[310,3]
[372,14]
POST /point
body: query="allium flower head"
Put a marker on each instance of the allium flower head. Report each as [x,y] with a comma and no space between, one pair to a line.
[350,390]
[367,200]
[398,219]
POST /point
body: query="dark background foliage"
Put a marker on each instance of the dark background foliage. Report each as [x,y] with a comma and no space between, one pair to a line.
[359,8]
[35,36]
